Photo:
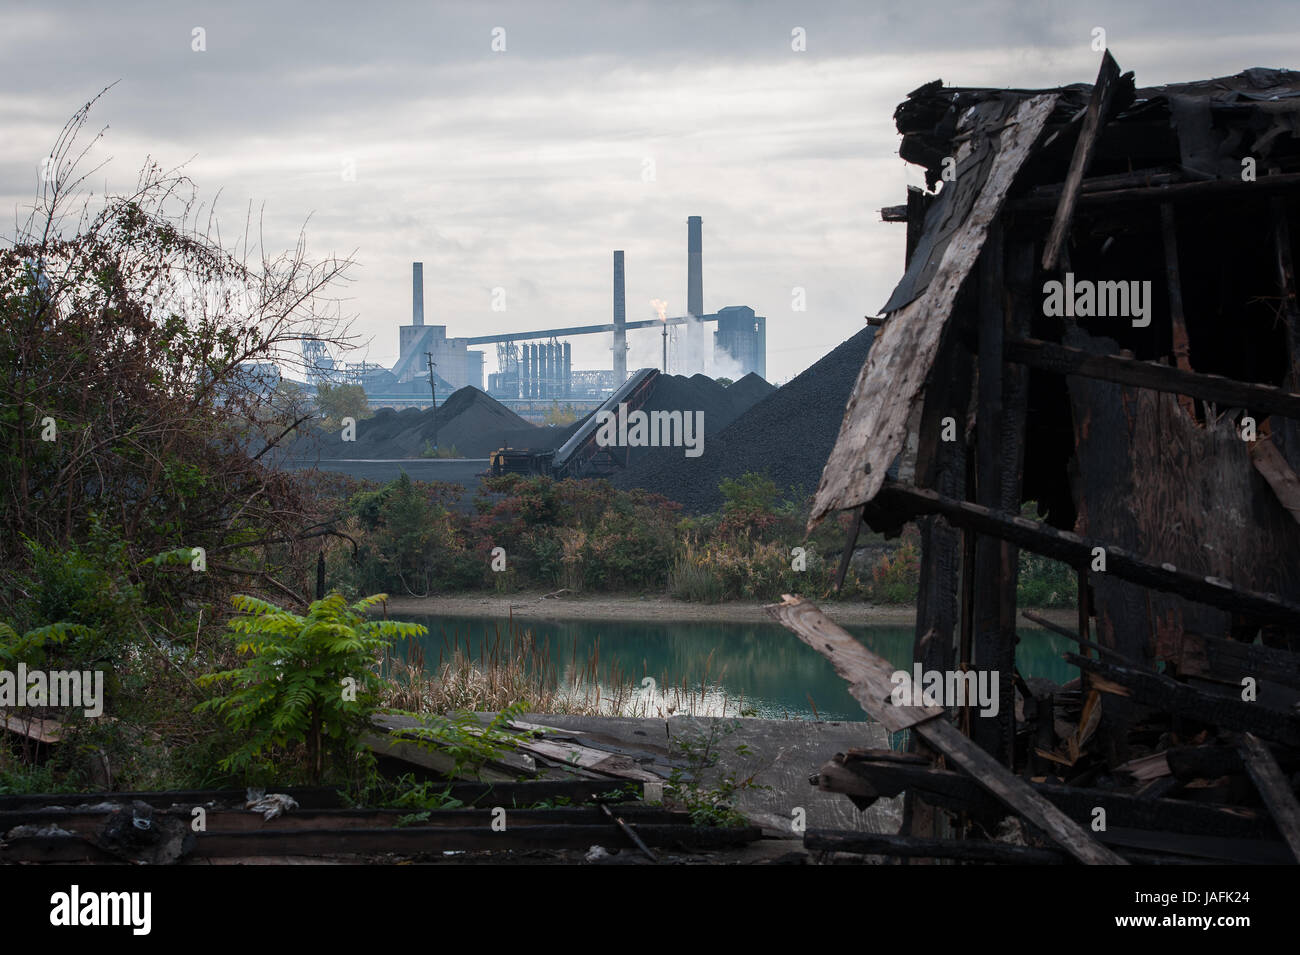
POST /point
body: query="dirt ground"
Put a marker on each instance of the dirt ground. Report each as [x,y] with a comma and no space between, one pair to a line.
[569,606]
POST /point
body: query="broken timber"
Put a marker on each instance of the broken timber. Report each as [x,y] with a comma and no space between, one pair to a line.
[1094,119]
[871,685]
[1228,392]
[875,422]
[1168,695]
[1273,788]
[1072,549]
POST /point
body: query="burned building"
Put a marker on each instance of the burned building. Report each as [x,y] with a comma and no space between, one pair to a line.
[1098,315]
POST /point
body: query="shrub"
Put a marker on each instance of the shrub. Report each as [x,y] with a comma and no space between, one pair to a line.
[308,681]
[896,577]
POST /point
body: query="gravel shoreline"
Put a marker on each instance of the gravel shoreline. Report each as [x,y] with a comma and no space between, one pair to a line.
[568,606]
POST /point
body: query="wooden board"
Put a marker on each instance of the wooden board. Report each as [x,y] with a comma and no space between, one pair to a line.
[33,727]
[1094,120]
[874,427]
[868,673]
[1273,788]
[1274,469]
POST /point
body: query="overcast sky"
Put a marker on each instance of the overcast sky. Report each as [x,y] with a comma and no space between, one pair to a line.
[524,169]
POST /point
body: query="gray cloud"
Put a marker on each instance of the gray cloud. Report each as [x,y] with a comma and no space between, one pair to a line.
[524,169]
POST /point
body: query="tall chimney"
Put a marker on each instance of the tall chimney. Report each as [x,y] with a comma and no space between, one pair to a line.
[417,293]
[694,268]
[620,323]
[694,359]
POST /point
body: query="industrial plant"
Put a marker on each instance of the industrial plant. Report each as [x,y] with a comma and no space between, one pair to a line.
[535,368]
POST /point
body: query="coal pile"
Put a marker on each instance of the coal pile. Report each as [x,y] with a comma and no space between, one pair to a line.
[721,404]
[788,434]
[469,420]
[749,391]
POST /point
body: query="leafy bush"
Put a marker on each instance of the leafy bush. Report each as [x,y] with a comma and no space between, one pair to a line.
[308,681]
[896,578]
[1045,583]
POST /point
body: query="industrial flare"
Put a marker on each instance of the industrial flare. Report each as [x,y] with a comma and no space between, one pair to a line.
[661,307]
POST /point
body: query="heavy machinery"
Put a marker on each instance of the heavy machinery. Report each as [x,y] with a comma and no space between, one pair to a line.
[581,455]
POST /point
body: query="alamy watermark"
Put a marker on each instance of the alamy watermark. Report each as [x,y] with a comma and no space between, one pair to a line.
[70,688]
[654,429]
[946,688]
[1088,299]
[75,907]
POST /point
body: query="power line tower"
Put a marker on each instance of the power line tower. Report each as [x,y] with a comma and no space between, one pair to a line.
[433,393]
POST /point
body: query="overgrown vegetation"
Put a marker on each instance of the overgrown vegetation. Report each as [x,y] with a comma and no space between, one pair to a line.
[706,792]
[134,411]
[587,536]
[309,681]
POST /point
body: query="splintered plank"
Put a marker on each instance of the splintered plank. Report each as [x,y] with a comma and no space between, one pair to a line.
[1093,121]
[1273,788]
[869,678]
[888,387]
[593,760]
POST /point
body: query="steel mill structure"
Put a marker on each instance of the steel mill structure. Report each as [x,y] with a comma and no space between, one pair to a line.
[537,366]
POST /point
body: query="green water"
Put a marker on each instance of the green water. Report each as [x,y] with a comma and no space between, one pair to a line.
[755,668]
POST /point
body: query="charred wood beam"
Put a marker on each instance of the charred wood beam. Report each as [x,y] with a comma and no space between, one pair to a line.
[879,844]
[1159,692]
[847,557]
[917,204]
[894,213]
[861,843]
[1273,789]
[1159,176]
[867,777]
[1094,120]
[1176,192]
[1064,360]
[1077,551]
[1205,655]
[994,643]
[871,684]
[1182,348]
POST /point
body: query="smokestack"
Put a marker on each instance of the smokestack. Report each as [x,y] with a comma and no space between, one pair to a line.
[417,293]
[620,323]
[568,370]
[694,268]
[694,359]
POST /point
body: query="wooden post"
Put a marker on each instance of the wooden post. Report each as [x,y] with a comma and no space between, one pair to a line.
[994,642]
[1178,323]
[941,465]
[1287,432]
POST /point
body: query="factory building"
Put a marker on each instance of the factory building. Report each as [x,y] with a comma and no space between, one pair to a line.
[742,336]
[537,366]
[453,361]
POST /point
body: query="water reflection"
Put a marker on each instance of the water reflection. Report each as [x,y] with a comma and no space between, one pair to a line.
[709,668]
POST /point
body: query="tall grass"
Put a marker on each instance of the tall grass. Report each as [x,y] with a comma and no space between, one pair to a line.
[690,579]
[510,666]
